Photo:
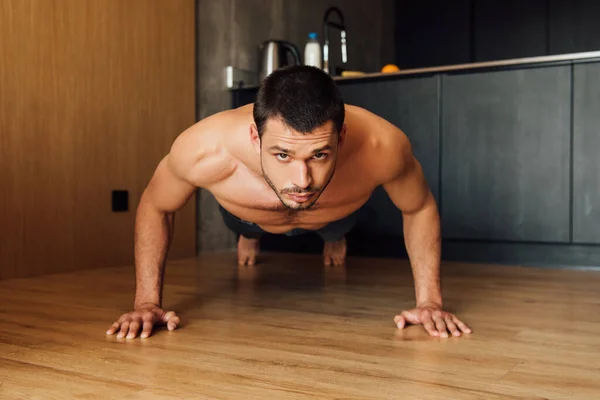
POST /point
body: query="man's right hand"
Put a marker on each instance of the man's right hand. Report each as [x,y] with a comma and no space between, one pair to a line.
[143,318]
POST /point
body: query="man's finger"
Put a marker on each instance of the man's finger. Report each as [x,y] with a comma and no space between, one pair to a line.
[173,322]
[461,325]
[113,328]
[168,315]
[429,326]
[133,329]
[171,319]
[399,321]
[124,329]
[410,317]
[452,326]
[441,326]
[147,329]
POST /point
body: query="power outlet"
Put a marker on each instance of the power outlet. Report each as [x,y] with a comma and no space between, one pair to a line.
[120,200]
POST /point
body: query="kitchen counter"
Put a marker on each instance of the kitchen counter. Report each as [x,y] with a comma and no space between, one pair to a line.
[517,62]
[469,67]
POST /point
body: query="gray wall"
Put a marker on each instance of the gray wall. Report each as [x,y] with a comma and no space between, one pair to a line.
[229,32]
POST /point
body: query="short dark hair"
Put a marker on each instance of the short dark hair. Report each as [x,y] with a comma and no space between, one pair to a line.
[304,97]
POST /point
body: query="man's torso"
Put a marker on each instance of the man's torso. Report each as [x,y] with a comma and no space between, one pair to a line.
[244,192]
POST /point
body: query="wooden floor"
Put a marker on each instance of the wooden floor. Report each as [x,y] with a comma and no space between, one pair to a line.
[289,329]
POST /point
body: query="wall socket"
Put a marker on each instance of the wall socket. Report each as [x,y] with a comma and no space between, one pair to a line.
[120,200]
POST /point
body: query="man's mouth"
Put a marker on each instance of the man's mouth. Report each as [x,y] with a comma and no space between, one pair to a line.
[300,198]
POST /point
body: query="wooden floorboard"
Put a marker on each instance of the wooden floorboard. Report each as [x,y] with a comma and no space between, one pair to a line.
[292,329]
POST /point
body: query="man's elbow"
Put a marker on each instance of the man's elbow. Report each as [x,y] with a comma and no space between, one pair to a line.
[424,205]
[148,205]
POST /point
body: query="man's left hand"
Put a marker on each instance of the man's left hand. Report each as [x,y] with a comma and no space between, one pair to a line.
[436,321]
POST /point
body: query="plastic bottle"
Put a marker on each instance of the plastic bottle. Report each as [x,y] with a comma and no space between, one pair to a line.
[312,51]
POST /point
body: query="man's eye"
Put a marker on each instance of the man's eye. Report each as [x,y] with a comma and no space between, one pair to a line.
[281,156]
[320,156]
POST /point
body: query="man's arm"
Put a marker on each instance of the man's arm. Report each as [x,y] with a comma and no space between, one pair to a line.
[408,190]
[165,194]
[169,189]
[410,193]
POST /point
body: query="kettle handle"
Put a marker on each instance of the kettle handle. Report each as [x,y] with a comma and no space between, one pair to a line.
[293,50]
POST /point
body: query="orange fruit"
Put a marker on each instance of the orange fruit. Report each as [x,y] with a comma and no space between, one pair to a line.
[390,68]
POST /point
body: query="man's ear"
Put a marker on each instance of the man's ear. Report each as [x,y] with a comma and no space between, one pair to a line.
[342,135]
[255,138]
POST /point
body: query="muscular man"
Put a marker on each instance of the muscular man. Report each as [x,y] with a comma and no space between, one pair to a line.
[298,159]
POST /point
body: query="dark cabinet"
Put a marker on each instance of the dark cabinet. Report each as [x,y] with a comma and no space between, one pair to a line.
[573,26]
[440,32]
[509,29]
[412,105]
[506,155]
[586,153]
[433,33]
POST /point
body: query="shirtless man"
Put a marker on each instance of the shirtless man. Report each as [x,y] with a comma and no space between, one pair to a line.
[297,159]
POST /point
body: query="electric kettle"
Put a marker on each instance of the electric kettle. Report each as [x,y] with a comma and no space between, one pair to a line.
[272,55]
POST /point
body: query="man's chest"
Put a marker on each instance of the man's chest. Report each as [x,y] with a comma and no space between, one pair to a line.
[250,198]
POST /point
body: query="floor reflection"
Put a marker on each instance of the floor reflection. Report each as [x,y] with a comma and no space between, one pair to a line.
[335,275]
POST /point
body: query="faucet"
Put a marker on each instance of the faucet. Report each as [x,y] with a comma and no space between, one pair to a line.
[330,24]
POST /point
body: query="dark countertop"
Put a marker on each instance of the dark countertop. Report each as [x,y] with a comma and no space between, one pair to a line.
[469,67]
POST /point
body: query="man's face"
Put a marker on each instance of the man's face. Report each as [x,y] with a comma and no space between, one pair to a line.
[297,166]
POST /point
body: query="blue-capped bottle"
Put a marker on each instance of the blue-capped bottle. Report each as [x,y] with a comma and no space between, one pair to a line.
[312,51]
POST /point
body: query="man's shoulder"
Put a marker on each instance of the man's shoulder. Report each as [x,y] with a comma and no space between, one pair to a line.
[200,154]
[385,145]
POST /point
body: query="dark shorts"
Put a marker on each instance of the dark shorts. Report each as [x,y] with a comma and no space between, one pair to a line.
[332,232]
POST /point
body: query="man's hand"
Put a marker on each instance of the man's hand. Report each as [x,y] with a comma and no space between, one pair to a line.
[145,317]
[436,321]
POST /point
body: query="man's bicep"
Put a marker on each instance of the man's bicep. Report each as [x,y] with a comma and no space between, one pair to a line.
[408,190]
[167,190]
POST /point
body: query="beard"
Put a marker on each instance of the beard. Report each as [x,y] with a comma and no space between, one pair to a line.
[292,206]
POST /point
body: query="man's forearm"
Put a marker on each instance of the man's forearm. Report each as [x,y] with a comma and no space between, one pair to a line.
[153,232]
[423,243]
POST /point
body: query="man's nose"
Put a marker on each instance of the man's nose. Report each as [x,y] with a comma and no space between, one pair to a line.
[302,178]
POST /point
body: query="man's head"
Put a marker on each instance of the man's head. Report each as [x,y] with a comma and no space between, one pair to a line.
[299,127]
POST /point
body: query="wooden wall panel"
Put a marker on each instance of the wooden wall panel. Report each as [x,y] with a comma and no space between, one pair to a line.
[92,94]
